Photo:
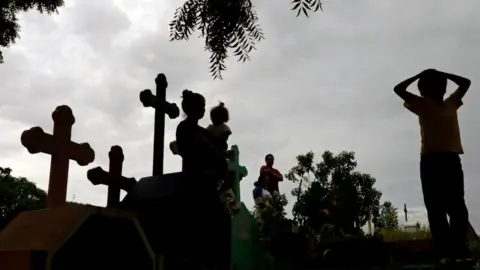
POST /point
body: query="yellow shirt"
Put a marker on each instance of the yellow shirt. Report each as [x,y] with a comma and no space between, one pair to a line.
[438,124]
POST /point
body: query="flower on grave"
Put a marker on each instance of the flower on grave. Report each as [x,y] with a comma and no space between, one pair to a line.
[228,198]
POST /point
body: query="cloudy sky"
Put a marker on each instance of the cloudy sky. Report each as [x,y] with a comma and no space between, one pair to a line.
[323,83]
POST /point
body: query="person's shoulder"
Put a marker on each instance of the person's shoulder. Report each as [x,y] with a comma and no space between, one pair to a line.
[183,123]
[185,127]
[226,128]
[417,104]
[210,127]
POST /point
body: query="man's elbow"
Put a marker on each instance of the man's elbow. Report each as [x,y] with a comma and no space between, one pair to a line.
[466,83]
[399,90]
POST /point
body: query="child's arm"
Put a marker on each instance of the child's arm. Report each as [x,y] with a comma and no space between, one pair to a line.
[401,88]
[463,85]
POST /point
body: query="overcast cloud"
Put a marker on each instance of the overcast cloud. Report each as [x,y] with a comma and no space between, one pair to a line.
[323,83]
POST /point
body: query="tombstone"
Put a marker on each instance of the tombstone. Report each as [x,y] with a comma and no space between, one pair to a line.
[66,236]
[247,252]
[61,148]
[162,107]
[113,178]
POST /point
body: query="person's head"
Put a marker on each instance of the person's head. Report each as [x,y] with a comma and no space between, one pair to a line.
[432,84]
[219,114]
[256,184]
[269,159]
[193,105]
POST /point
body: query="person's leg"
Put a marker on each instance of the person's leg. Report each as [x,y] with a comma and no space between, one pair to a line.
[456,208]
[433,190]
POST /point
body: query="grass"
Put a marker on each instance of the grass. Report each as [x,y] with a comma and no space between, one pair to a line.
[393,235]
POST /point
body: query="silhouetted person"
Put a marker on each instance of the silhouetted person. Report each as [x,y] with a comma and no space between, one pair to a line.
[205,222]
[219,129]
[271,176]
[440,166]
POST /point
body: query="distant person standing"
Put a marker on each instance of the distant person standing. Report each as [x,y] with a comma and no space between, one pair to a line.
[440,166]
[270,175]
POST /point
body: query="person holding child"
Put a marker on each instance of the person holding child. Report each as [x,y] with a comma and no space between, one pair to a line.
[441,171]
[203,165]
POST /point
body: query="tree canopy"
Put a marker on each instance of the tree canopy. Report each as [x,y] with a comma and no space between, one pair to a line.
[9,9]
[334,178]
[226,24]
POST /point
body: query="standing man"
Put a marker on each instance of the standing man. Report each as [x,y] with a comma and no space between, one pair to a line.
[441,170]
[270,175]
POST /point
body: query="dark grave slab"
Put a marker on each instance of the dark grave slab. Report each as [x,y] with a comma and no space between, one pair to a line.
[157,203]
[75,237]
[155,187]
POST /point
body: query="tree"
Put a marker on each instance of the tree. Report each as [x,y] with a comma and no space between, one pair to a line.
[226,24]
[334,177]
[9,27]
[388,217]
[17,194]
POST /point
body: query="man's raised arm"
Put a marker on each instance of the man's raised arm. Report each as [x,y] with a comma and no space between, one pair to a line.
[401,88]
[463,84]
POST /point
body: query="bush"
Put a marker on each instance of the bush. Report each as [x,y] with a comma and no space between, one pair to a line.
[475,250]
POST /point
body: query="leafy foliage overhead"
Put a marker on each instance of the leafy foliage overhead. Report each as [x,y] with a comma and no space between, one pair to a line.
[225,24]
[9,27]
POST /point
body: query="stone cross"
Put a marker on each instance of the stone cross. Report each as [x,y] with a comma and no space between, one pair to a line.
[113,178]
[236,170]
[61,148]
[406,211]
[162,107]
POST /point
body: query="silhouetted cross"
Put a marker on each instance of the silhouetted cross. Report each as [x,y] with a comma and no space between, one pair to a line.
[61,148]
[162,107]
[113,178]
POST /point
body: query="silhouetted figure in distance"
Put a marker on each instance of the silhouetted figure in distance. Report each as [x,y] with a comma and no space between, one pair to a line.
[270,175]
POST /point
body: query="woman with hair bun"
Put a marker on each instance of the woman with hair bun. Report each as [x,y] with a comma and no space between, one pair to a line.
[203,165]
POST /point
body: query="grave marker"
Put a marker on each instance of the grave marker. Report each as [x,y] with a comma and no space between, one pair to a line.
[61,148]
[70,236]
[236,171]
[162,107]
[113,178]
